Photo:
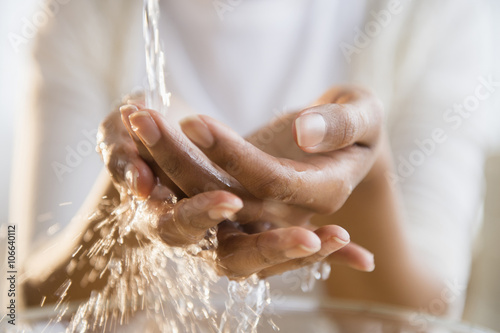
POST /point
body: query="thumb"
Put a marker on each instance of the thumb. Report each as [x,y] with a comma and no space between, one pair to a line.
[329,127]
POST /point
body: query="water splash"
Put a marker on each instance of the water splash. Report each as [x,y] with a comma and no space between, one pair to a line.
[171,285]
[245,305]
[310,274]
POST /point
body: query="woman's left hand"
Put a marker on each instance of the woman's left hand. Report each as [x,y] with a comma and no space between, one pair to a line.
[302,163]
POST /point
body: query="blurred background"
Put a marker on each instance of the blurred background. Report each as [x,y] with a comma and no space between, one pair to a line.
[483,305]
[13,69]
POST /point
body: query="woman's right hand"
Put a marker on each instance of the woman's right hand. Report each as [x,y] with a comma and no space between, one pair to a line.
[190,218]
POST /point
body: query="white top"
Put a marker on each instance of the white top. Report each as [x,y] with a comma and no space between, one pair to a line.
[421,58]
[263,56]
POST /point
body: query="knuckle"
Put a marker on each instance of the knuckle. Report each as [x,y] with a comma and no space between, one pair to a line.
[330,207]
[311,260]
[116,156]
[107,124]
[172,228]
[110,124]
[172,167]
[276,185]
[181,214]
[186,218]
[267,189]
[233,156]
[233,165]
[263,251]
[190,220]
[339,194]
[349,126]
[164,228]
[284,193]
[115,166]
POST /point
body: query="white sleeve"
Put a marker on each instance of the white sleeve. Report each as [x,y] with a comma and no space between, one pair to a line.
[442,94]
[431,66]
[73,89]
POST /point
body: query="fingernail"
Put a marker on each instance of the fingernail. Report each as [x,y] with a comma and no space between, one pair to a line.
[197,131]
[340,241]
[224,211]
[367,265]
[131,175]
[300,251]
[136,102]
[126,111]
[310,129]
[145,127]
[371,267]
[343,237]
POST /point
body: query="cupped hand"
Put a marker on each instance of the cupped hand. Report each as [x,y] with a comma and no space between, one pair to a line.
[240,252]
[312,159]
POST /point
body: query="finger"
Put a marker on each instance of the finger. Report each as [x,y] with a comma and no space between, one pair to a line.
[263,175]
[344,117]
[241,255]
[126,111]
[354,256]
[333,238]
[121,157]
[139,178]
[136,98]
[190,219]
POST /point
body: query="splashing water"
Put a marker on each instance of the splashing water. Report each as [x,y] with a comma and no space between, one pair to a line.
[170,285]
[149,284]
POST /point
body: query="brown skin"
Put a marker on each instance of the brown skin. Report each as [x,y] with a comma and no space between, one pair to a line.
[257,248]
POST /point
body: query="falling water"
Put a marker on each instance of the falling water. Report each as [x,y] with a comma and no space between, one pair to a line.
[157,94]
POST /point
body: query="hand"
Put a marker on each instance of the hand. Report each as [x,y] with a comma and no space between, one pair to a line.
[179,145]
[312,159]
